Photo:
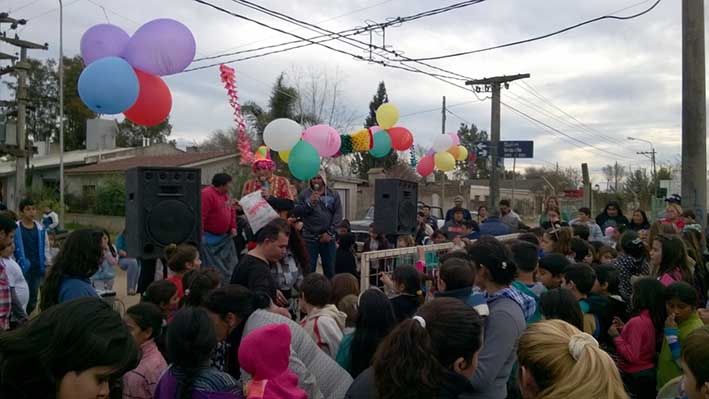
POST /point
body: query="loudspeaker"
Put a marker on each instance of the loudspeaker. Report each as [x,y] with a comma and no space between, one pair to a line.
[395,206]
[163,206]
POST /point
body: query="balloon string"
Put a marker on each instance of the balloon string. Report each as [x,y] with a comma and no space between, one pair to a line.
[243,142]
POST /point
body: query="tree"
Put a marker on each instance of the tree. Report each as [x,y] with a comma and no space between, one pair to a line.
[614,175]
[281,104]
[639,186]
[132,135]
[560,180]
[43,107]
[219,140]
[363,161]
[469,169]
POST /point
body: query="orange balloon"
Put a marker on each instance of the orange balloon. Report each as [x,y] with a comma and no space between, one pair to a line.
[454,151]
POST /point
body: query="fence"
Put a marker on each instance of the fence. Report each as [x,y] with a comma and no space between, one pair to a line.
[385,261]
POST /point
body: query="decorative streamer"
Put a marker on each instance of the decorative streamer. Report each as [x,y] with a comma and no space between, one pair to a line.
[413,156]
[244,144]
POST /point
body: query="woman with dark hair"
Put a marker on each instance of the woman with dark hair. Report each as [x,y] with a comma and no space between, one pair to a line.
[75,350]
[632,261]
[560,303]
[639,221]
[432,355]
[509,310]
[191,339]
[482,214]
[612,216]
[144,321]
[375,318]
[235,312]
[669,260]
[199,283]
[69,277]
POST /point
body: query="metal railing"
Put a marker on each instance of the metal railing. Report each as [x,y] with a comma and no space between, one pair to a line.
[385,261]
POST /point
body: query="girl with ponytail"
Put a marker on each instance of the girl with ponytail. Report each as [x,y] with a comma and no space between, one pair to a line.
[432,355]
[180,260]
[191,339]
[557,360]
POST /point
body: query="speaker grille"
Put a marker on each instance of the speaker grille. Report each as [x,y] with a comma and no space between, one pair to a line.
[169,222]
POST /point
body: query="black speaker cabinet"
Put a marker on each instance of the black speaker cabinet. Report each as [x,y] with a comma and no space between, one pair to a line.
[163,206]
[395,204]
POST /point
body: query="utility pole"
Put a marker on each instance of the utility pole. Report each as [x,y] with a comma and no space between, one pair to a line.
[443,131]
[694,125]
[494,85]
[21,68]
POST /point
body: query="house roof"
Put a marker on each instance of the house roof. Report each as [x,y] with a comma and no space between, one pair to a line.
[77,157]
[184,159]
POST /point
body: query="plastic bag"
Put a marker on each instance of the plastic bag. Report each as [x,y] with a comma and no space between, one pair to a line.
[257,210]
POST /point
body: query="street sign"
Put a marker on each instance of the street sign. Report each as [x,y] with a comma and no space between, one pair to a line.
[515,149]
[482,149]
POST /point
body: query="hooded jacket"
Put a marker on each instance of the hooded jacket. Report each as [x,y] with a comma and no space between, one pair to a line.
[325,326]
[43,249]
[321,217]
[604,221]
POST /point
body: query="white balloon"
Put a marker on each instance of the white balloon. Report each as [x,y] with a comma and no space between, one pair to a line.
[442,142]
[282,134]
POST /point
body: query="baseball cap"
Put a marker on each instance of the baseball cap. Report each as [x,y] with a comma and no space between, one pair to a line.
[674,198]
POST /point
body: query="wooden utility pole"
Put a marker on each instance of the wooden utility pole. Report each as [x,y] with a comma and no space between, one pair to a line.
[21,68]
[587,193]
[443,174]
[494,85]
[694,126]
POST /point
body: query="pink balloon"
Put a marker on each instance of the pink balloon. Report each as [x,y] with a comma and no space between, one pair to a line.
[456,139]
[324,138]
[425,166]
[374,129]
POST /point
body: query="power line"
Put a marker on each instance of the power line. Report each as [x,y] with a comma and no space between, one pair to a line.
[537,38]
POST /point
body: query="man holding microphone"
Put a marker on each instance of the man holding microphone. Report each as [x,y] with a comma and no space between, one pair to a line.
[321,211]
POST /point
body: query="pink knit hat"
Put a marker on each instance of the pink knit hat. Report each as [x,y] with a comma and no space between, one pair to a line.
[265,355]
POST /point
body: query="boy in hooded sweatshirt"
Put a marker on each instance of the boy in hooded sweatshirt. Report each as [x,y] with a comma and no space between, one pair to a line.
[324,323]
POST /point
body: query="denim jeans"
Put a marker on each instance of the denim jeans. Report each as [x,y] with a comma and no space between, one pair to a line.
[327,256]
[34,280]
[132,268]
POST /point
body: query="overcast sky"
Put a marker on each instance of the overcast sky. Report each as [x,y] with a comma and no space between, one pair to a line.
[619,78]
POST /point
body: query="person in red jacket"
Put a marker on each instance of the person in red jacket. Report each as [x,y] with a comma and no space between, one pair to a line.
[218,226]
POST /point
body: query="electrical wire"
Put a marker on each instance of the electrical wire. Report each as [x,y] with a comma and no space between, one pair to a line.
[537,38]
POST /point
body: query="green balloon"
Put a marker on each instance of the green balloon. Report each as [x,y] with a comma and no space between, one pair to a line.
[382,144]
[304,161]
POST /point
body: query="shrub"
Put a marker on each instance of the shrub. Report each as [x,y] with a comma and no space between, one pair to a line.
[111,196]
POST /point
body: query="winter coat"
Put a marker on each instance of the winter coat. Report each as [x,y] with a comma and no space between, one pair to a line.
[325,326]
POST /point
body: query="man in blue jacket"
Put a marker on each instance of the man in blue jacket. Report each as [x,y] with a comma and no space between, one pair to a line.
[30,246]
[493,225]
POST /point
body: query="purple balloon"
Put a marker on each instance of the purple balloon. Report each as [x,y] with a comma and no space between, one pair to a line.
[103,40]
[161,47]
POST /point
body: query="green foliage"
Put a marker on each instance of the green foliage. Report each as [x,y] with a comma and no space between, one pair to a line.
[363,161]
[131,135]
[469,137]
[46,196]
[110,196]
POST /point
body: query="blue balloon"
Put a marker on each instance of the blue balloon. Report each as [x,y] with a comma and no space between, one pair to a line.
[109,86]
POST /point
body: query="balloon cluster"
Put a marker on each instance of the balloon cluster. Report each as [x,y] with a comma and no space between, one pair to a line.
[445,151]
[304,149]
[123,72]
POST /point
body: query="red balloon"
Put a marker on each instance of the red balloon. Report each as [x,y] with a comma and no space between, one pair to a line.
[401,138]
[154,101]
[425,166]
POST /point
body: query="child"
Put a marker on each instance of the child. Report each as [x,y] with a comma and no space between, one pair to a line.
[636,341]
[324,323]
[551,267]
[181,259]
[406,282]
[30,249]
[163,294]
[103,279]
[127,263]
[668,257]
[144,322]
[52,247]
[343,284]
[265,354]
[15,279]
[631,262]
[682,319]
[199,283]
[606,303]
[524,255]
[404,241]
[456,279]
[557,240]
[345,259]
[50,219]
[606,255]
[348,305]
[579,279]
[560,303]
[580,250]
[695,357]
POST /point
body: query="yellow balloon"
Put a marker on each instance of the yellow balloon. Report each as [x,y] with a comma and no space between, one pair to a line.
[462,153]
[387,115]
[284,155]
[444,161]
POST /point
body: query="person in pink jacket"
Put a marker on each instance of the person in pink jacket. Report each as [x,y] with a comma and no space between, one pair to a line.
[144,321]
[636,341]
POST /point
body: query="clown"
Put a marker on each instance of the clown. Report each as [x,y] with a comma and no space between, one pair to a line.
[265,181]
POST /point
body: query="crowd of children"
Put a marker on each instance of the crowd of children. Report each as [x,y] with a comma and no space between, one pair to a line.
[552,313]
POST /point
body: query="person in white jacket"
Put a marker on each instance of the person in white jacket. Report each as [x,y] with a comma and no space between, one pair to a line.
[324,323]
[584,217]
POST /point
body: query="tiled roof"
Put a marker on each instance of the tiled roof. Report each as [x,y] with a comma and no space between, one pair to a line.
[121,165]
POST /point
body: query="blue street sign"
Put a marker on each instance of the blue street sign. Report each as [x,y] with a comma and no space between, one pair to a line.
[482,149]
[515,149]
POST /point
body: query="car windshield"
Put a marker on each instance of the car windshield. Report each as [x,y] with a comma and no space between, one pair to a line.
[370,213]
